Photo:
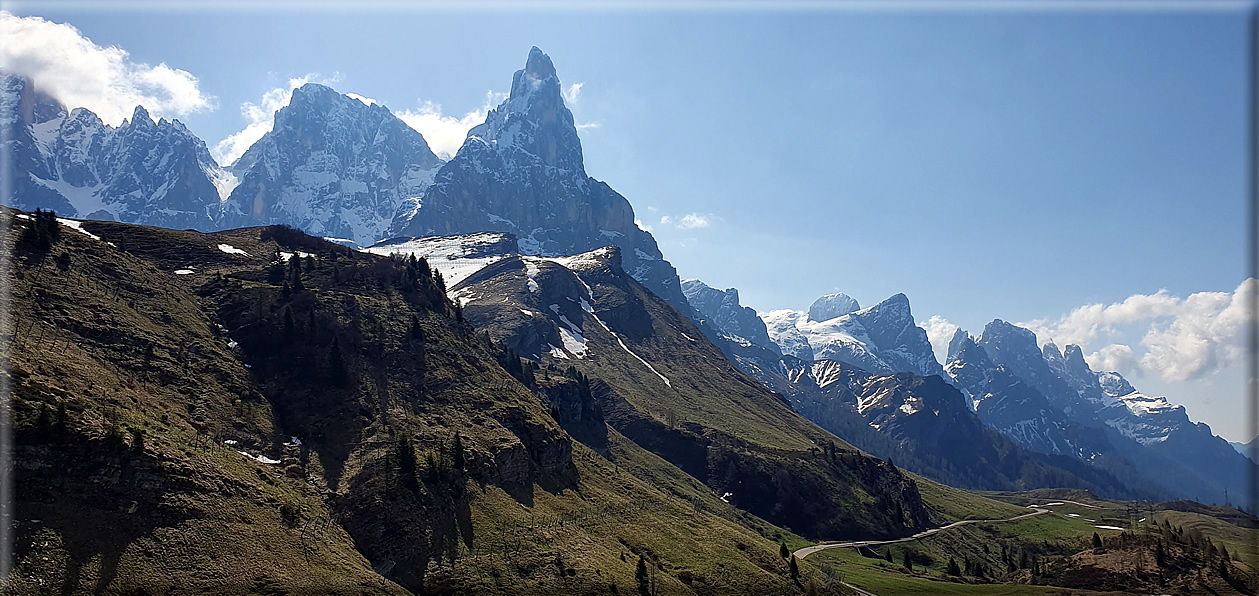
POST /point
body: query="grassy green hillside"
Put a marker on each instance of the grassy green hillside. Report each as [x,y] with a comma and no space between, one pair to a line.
[197,413]
[1142,549]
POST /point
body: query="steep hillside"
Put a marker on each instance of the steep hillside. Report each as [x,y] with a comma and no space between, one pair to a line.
[261,411]
[661,384]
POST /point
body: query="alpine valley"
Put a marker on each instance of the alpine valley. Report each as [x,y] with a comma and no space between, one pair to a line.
[342,364]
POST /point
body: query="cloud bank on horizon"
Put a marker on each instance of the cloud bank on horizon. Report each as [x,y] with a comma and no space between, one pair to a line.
[79,73]
[1157,335]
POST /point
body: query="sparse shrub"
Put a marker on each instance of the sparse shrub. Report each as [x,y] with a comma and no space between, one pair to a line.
[291,513]
[137,438]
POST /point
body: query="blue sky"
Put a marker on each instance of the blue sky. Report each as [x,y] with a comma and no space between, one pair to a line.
[989,165]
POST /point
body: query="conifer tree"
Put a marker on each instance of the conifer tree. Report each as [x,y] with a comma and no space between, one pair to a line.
[1097,540]
[406,464]
[794,568]
[782,550]
[336,364]
[289,329]
[641,578]
[953,568]
[417,332]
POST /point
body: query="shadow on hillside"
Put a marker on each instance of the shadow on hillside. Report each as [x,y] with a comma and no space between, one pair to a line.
[97,525]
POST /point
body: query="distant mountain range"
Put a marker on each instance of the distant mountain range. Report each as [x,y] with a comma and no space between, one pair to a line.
[1043,399]
[1001,412]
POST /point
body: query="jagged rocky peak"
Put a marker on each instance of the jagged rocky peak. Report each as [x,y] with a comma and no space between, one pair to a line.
[722,309]
[893,311]
[22,99]
[831,306]
[1073,360]
[960,342]
[332,166]
[1114,385]
[1008,334]
[1052,355]
[521,172]
[539,65]
[146,172]
[534,118]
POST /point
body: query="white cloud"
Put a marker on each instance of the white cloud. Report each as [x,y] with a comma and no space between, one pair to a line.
[939,332]
[1181,339]
[259,116]
[689,221]
[589,125]
[445,134]
[1114,357]
[79,73]
[366,100]
[692,221]
[642,226]
[572,93]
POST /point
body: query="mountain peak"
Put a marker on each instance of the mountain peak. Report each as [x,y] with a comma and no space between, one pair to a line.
[961,341]
[539,65]
[141,115]
[831,306]
[311,93]
[1051,353]
[1074,358]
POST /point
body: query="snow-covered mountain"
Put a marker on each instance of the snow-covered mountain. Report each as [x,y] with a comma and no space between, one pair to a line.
[332,166]
[925,424]
[1005,402]
[522,172]
[879,338]
[1004,372]
[145,172]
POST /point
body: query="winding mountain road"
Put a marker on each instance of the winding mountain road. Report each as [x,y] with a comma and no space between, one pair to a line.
[808,550]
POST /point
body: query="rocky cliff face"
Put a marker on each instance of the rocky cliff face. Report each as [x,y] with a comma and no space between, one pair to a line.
[522,172]
[332,166]
[145,172]
[722,309]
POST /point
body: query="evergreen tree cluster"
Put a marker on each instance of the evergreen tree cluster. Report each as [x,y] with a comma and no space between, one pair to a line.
[43,231]
[521,369]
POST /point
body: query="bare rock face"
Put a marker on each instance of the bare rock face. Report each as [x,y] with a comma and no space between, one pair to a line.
[144,172]
[522,172]
[332,166]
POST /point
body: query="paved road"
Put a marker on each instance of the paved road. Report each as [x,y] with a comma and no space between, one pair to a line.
[808,550]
